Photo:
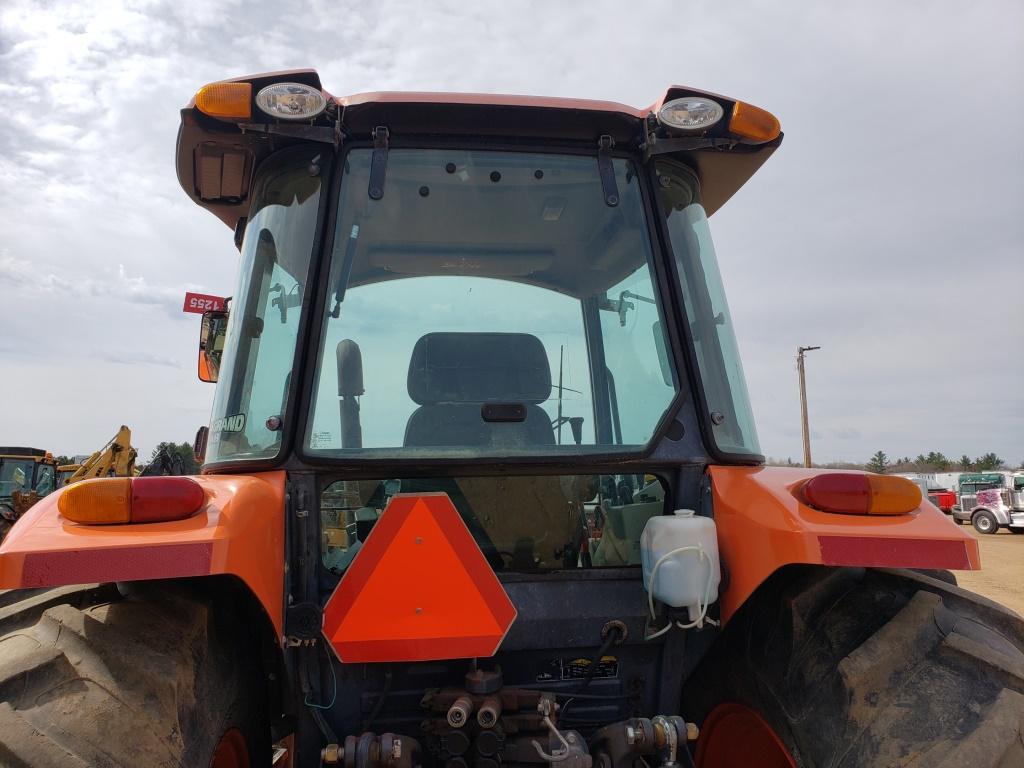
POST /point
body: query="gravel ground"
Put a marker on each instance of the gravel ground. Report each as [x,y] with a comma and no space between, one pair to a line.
[1001,577]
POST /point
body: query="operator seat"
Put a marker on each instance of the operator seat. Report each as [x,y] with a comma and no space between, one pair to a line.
[451,377]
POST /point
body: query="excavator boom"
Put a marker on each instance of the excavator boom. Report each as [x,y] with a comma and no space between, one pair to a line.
[115,459]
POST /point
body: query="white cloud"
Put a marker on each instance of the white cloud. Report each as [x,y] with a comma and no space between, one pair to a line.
[887,228]
[22,275]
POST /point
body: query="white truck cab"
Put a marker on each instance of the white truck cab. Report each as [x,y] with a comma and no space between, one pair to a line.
[991,500]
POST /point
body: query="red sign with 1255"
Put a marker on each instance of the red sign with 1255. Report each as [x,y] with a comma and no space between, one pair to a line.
[203,302]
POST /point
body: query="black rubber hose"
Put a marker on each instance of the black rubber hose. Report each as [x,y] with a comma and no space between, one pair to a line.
[613,637]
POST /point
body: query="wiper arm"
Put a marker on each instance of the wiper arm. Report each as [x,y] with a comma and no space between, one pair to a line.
[622,306]
[285,300]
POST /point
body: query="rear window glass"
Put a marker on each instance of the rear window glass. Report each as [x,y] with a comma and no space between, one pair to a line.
[527,523]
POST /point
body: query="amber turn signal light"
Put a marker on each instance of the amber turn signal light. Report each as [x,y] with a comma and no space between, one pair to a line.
[225,100]
[851,493]
[753,123]
[112,500]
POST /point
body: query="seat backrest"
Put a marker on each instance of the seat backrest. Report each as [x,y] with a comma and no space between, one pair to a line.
[451,375]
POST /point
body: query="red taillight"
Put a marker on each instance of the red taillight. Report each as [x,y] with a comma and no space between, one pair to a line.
[853,493]
[164,498]
[110,500]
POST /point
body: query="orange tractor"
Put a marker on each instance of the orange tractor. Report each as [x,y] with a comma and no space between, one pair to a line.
[482,486]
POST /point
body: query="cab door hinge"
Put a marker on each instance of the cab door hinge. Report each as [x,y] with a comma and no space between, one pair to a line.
[378,163]
[607,171]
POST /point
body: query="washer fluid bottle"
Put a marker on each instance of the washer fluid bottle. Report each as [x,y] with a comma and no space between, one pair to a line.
[675,570]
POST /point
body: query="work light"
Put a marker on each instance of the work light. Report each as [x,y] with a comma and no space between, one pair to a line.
[291,101]
[690,113]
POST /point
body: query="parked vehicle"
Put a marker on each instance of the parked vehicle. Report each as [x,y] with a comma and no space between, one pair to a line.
[26,475]
[991,500]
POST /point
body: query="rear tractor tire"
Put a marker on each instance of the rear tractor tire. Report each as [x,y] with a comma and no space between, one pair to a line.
[154,677]
[985,522]
[861,668]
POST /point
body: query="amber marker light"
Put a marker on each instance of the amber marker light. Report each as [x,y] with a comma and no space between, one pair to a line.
[753,123]
[860,494]
[225,100]
[113,500]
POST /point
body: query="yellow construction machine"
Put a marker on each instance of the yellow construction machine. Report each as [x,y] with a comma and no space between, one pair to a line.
[26,475]
[115,459]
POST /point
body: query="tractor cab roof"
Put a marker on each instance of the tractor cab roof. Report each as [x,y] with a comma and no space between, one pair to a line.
[219,152]
[12,452]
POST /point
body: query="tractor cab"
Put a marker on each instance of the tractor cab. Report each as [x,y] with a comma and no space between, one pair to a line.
[26,475]
[512,305]
[536,324]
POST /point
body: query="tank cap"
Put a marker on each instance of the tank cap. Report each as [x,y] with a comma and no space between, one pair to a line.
[684,512]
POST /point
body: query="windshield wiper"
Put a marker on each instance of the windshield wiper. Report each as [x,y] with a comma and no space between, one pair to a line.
[378,163]
[285,301]
[621,305]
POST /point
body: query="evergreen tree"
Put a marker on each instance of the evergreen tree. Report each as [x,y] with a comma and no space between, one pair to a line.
[937,462]
[988,461]
[878,463]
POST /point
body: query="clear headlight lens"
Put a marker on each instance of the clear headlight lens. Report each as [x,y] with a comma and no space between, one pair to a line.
[691,113]
[291,101]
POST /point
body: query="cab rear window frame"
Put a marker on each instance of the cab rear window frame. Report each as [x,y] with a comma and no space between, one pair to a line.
[668,293]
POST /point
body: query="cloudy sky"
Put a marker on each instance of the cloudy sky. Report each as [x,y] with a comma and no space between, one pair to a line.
[888,228]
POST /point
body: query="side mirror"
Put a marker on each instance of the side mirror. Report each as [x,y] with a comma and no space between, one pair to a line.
[211,344]
[199,446]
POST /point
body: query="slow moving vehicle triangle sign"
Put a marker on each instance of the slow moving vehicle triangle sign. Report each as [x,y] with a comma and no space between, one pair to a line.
[419,589]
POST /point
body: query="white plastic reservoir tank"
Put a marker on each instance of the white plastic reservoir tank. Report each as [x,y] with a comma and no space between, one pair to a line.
[679,553]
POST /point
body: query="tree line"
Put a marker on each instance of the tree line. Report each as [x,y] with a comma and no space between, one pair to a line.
[935,461]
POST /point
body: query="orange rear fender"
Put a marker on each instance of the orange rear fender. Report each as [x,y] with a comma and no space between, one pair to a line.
[239,531]
[762,527]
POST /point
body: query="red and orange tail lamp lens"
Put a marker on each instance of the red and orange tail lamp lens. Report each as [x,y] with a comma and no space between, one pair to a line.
[860,494]
[112,500]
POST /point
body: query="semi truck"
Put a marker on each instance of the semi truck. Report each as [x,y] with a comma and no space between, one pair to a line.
[991,501]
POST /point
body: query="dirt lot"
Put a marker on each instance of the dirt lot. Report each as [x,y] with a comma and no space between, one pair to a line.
[1001,577]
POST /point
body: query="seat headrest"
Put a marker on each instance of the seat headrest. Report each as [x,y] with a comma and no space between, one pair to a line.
[478,368]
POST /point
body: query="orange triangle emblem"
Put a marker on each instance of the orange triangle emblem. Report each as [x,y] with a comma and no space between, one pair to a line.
[420,589]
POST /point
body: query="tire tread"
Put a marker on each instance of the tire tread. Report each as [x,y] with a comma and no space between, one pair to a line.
[90,680]
[872,668]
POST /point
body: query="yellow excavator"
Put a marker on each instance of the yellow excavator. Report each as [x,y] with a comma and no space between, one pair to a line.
[115,459]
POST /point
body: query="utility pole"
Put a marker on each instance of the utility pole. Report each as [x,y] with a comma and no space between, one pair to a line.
[803,402]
